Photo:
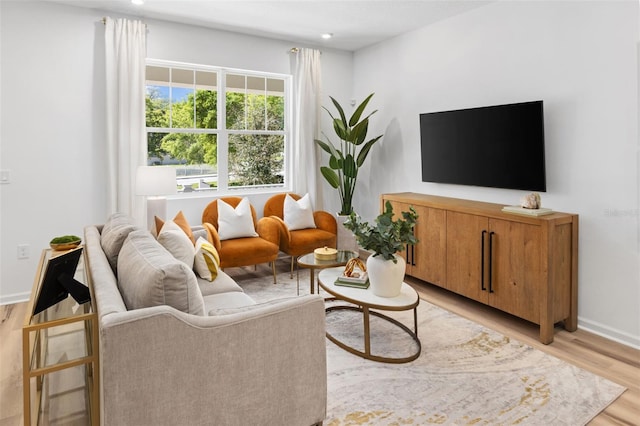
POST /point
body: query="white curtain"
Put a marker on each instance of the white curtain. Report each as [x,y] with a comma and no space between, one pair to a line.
[125,52]
[307,98]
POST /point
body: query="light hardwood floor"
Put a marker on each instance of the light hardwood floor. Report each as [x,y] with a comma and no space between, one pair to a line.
[616,362]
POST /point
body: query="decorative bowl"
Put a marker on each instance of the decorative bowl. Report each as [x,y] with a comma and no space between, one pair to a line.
[66,244]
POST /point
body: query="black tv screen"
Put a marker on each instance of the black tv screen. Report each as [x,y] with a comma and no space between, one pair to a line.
[499,146]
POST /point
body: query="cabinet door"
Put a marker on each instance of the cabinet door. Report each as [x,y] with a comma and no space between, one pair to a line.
[515,268]
[466,263]
[427,259]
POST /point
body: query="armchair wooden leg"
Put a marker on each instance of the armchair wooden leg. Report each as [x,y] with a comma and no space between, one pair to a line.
[292,262]
[273,268]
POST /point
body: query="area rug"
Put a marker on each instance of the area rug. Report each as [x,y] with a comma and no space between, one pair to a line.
[466,374]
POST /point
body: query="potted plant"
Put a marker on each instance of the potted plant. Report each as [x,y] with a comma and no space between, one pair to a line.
[385,239]
[346,159]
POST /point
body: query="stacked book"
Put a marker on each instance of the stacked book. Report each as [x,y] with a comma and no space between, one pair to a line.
[527,212]
[360,281]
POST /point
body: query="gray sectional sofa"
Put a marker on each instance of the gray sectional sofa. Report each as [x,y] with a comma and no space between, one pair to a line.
[179,350]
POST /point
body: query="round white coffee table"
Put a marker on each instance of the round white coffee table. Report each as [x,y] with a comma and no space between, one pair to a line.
[364,300]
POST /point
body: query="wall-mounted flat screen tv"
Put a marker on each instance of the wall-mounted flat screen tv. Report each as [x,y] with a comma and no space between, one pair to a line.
[499,146]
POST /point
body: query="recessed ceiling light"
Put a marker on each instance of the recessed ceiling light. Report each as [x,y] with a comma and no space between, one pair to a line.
[327,36]
[137,2]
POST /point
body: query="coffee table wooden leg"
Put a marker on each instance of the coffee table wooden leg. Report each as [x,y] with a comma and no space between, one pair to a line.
[367,337]
[312,280]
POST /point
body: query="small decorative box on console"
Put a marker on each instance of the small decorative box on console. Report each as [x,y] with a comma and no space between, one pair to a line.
[325,253]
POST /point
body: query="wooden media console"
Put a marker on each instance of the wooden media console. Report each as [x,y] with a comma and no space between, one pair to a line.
[524,265]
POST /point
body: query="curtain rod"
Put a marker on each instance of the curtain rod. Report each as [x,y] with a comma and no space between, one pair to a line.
[297,49]
[104,21]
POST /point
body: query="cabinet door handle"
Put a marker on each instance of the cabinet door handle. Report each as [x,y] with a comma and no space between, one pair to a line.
[482,237]
[413,256]
[491,234]
[406,251]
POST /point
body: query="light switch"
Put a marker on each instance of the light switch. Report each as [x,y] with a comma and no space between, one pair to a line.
[5,176]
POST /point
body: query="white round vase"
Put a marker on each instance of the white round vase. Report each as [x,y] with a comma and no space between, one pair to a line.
[385,277]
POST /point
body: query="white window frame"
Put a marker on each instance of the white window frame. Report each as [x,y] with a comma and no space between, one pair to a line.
[223,133]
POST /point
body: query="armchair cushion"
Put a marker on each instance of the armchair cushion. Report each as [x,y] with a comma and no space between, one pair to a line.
[298,214]
[148,275]
[235,223]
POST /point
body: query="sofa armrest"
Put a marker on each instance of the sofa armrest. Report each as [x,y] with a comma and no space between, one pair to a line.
[263,366]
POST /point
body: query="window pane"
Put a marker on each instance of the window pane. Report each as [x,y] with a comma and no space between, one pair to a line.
[256,160]
[255,112]
[157,106]
[206,109]
[235,111]
[194,155]
[182,108]
[275,112]
[158,75]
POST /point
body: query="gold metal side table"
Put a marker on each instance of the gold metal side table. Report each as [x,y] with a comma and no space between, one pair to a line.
[76,325]
[310,262]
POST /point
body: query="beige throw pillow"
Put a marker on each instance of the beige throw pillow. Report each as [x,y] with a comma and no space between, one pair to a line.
[298,214]
[173,238]
[235,223]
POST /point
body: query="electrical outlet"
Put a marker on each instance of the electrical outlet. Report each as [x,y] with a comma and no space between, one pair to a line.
[23,251]
[5,176]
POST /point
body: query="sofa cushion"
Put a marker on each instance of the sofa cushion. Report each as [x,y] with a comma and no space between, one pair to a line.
[173,238]
[215,302]
[114,232]
[116,220]
[246,308]
[222,284]
[148,275]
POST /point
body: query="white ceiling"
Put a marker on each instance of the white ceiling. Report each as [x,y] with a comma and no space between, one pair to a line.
[354,23]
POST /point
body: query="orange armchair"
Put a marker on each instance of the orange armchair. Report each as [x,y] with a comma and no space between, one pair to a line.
[301,241]
[243,251]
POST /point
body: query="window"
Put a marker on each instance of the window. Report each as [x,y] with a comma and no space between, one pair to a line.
[221,129]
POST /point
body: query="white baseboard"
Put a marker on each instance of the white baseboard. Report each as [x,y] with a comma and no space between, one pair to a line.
[15,298]
[609,333]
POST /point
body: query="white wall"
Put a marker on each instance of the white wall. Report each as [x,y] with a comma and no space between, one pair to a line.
[51,133]
[581,58]
[52,119]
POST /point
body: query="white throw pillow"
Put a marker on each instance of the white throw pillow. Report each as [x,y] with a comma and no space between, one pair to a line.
[298,214]
[235,223]
[207,260]
[173,238]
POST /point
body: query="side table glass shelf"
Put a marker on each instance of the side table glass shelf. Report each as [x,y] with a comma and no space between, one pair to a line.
[60,356]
